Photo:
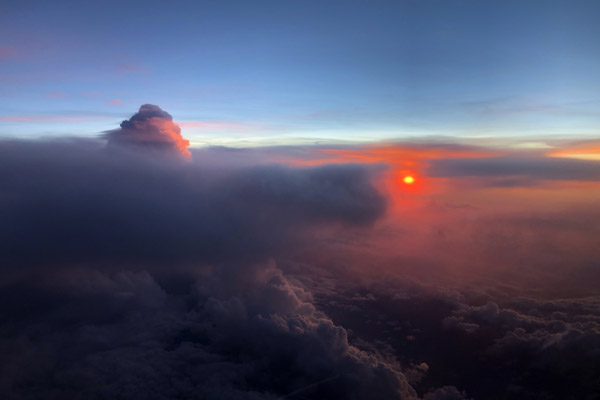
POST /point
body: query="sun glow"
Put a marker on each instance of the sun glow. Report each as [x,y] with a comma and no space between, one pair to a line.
[409,180]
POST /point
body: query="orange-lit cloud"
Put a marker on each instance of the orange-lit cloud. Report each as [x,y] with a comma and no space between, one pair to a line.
[583,151]
[402,160]
[153,129]
[400,156]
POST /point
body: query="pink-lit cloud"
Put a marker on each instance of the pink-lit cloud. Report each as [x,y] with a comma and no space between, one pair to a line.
[58,95]
[7,53]
[91,94]
[126,67]
[150,128]
[115,102]
[28,119]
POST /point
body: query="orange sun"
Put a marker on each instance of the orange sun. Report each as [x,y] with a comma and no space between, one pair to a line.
[409,180]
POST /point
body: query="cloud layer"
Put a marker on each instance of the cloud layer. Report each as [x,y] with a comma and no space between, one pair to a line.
[73,202]
[291,273]
[145,278]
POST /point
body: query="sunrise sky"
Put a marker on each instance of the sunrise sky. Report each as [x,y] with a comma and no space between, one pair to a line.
[341,200]
[237,72]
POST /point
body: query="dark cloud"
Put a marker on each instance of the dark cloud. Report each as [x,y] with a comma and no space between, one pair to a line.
[445,393]
[74,202]
[127,276]
[515,171]
[150,129]
[481,342]
[87,334]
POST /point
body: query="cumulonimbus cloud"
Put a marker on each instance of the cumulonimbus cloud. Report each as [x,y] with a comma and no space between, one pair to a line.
[150,129]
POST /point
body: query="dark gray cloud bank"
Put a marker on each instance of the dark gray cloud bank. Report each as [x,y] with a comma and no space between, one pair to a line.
[126,274]
[483,340]
[131,272]
[516,170]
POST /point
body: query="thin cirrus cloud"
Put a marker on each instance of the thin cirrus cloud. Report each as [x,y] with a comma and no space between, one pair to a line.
[220,126]
[9,53]
[58,95]
[91,94]
[25,119]
[131,68]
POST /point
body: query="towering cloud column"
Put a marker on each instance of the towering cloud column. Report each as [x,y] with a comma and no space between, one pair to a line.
[152,129]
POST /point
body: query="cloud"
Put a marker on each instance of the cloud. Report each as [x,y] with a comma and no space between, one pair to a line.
[128,274]
[527,170]
[131,68]
[58,95]
[222,126]
[29,119]
[91,95]
[76,202]
[150,128]
[583,150]
[445,393]
[8,53]
[110,335]
[148,270]
[476,341]
[559,338]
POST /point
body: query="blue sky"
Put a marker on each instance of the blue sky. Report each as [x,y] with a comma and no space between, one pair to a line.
[266,72]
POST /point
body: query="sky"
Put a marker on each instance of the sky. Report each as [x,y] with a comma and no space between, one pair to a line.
[246,73]
[299,200]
